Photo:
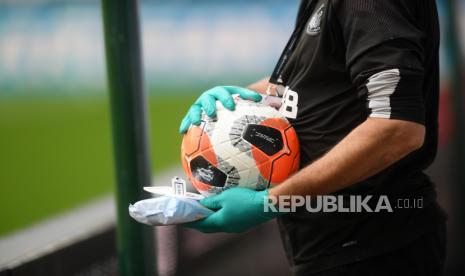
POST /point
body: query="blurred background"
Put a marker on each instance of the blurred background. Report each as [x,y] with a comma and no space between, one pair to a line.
[56,160]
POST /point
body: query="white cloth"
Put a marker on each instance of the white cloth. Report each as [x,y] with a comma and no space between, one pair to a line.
[165,210]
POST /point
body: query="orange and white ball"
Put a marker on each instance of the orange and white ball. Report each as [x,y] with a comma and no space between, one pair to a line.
[253,146]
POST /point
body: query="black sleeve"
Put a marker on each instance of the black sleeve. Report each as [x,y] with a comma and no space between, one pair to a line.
[302,6]
[384,55]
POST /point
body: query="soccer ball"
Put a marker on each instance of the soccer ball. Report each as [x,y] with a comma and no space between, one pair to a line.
[253,146]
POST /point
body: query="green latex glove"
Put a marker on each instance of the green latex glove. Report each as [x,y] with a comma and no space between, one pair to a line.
[207,103]
[237,210]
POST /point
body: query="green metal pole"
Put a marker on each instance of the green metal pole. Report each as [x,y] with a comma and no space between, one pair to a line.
[135,242]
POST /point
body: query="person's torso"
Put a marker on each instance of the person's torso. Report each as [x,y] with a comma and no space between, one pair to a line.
[323,106]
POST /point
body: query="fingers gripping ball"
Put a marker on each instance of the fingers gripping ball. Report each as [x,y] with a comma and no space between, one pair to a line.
[253,146]
[207,102]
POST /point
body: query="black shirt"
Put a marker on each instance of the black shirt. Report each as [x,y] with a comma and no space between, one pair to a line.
[349,60]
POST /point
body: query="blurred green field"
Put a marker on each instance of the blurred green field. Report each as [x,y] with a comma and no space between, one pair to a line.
[56,153]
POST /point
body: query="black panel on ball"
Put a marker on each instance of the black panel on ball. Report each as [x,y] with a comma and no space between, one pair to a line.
[267,139]
[206,173]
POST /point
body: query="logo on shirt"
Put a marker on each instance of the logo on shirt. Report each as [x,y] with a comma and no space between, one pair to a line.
[314,26]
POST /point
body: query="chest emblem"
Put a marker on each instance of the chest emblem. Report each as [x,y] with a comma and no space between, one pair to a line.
[314,26]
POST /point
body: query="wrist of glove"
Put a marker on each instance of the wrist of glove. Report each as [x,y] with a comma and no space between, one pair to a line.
[207,103]
[236,210]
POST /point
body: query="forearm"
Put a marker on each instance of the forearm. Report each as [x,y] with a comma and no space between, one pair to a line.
[260,86]
[371,147]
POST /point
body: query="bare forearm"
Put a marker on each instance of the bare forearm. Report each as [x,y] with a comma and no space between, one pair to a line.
[371,147]
[260,86]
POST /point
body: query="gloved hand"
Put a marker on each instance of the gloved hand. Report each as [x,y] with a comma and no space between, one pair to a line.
[207,102]
[237,209]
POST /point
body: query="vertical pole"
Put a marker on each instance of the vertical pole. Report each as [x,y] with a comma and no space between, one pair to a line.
[135,242]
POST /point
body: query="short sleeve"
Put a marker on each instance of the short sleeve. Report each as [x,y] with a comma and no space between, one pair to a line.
[384,54]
